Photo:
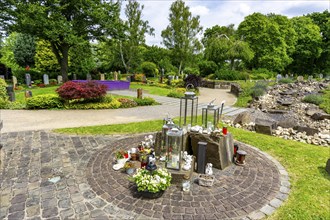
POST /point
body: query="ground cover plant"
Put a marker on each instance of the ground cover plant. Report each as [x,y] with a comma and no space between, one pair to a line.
[305,163]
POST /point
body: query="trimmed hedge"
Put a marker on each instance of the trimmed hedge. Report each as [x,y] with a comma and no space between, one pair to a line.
[127,103]
[47,101]
[145,101]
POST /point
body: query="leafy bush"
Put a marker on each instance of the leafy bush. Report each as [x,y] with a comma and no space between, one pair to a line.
[145,101]
[231,75]
[149,68]
[20,75]
[259,89]
[195,80]
[127,103]
[74,90]
[3,90]
[261,73]
[207,67]
[177,93]
[177,83]
[313,98]
[285,80]
[191,71]
[140,77]
[4,103]
[113,104]
[46,101]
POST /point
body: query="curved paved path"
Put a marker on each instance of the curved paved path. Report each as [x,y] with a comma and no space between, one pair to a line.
[89,189]
[25,120]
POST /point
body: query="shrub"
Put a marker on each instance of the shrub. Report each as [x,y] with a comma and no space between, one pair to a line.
[195,80]
[89,90]
[313,98]
[285,81]
[46,101]
[259,89]
[113,104]
[177,93]
[145,101]
[207,67]
[3,90]
[4,103]
[177,83]
[127,103]
[139,77]
[262,73]
[149,68]
[231,75]
[191,71]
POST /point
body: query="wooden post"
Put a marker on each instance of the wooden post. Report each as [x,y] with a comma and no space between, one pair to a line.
[139,93]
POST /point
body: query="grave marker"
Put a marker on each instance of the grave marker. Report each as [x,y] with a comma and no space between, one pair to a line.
[300,78]
[59,79]
[14,81]
[102,77]
[27,79]
[89,76]
[46,79]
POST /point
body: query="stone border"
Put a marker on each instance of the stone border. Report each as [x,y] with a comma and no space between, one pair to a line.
[281,196]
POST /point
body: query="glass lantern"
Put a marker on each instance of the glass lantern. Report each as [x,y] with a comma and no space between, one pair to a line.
[174,148]
[168,125]
[210,116]
[188,109]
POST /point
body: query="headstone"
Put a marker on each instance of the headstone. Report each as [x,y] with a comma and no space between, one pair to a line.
[176,77]
[2,76]
[169,81]
[11,93]
[102,77]
[310,78]
[88,76]
[8,73]
[115,76]
[59,79]
[14,81]
[321,76]
[74,76]
[300,78]
[278,77]
[46,79]
[28,79]
[201,156]
[286,76]
[129,78]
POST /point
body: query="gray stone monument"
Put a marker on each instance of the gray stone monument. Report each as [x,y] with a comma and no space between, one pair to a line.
[286,76]
[2,76]
[89,76]
[115,76]
[14,81]
[46,79]
[102,77]
[321,76]
[300,78]
[59,79]
[27,79]
[310,78]
[74,76]
[278,77]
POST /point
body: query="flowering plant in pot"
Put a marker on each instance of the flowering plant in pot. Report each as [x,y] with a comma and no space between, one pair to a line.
[152,183]
[129,168]
[121,156]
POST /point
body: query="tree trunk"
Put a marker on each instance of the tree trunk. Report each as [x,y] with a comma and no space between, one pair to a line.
[180,68]
[61,52]
[122,56]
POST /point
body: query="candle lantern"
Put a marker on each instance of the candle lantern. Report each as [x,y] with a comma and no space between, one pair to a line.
[174,148]
[188,108]
[210,116]
[168,125]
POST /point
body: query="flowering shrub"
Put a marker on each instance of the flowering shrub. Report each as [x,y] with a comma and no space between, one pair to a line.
[156,181]
[75,90]
[127,103]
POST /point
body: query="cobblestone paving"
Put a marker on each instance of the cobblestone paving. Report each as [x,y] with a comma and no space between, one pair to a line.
[90,189]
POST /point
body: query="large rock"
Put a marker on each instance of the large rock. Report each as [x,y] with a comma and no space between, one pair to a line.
[219,150]
[243,118]
[265,126]
[309,131]
[320,116]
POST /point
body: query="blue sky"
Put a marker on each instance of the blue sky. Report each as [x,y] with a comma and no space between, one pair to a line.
[223,13]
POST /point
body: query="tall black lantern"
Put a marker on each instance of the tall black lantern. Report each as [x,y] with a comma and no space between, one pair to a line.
[210,116]
[188,109]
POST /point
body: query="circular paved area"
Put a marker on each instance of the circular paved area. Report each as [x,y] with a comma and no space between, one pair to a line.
[88,188]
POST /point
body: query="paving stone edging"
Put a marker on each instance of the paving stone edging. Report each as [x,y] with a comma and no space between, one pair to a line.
[269,209]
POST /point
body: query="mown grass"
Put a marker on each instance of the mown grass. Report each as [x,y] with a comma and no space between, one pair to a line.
[20,94]
[305,163]
[325,105]
[154,90]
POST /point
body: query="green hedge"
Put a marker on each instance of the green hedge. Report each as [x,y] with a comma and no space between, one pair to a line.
[47,101]
[113,104]
[145,101]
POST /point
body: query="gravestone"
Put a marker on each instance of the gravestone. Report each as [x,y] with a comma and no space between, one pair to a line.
[169,81]
[176,77]
[28,79]
[327,167]
[321,76]
[46,79]
[14,81]
[286,76]
[278,77]
[2,76]
[310,78]
[102,77]
[59,79]
[88,77]
[300,78]
[115,76]
[74,76]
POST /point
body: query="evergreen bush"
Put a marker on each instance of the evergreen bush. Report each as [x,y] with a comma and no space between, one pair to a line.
[46,101]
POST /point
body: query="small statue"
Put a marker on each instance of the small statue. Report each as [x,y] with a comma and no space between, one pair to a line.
[188,161]
[208,169]
[151,166]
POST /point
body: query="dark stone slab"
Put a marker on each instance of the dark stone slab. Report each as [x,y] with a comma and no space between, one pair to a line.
[309,131]
[264,126]
[320,116]
[327,167]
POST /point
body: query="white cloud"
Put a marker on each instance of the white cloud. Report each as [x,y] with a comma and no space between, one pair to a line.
[199,10]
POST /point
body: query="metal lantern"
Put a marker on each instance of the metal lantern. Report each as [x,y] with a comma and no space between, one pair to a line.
[168,125]
[174,148]
[188,108]
[210,116]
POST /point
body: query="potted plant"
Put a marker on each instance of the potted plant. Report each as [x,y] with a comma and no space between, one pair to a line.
[129,168]
[121,156]
[152,184]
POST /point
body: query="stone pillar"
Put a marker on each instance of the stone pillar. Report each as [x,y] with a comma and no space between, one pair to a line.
[201,157]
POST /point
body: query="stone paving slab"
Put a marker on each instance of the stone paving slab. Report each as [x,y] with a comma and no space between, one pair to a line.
[90,189]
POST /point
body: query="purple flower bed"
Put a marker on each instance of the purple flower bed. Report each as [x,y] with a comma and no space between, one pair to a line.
[111,85]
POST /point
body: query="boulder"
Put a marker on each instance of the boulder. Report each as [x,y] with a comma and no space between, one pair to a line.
[309,131]
[320,116]
[285,102]
[243,118]
[312,111]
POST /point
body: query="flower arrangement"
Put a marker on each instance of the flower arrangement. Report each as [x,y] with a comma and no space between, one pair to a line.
[156,181]
[120,154]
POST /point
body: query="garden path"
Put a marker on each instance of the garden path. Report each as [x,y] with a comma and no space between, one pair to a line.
[27,120]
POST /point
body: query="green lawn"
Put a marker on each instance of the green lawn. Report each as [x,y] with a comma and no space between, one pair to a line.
[20,94]
[310,184]
[154,90]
